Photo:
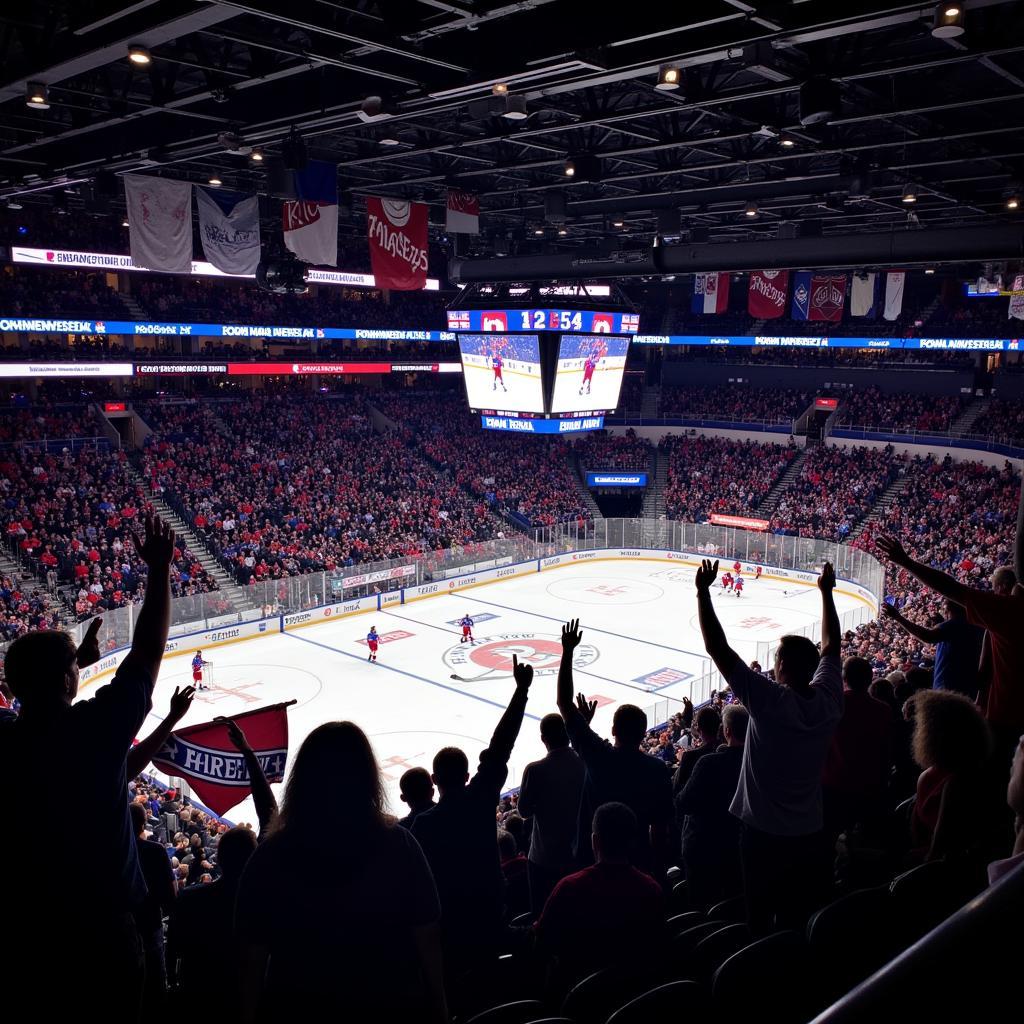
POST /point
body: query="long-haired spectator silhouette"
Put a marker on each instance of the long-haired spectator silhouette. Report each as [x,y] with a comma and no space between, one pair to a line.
[337,911]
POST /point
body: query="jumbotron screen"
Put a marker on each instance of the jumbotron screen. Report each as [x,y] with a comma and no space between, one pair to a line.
[588,376]
[502,371]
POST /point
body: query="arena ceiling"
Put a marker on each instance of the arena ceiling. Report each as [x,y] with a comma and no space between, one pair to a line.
[903,108]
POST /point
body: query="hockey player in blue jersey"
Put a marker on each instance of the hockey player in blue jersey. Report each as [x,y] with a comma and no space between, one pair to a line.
[372,640]
[467,629]
[496,364]
[197,671]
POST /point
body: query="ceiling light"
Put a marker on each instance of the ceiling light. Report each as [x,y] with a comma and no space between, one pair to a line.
[668,77]
[499,89]
[538,231]
[583,167]
[215,181]
[929,270]
[1012,202]
[909,194]
[139,55]
[124,223]
[750,209]
[787,142]
[562,231]
[515,108]
[618,223]
[389,140]
[13,204]
[570,168]
[256,156]
[37,96]
[949,21]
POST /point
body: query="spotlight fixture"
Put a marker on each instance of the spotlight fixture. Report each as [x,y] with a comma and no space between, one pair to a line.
[949,21]
[139,55]
[787,142]
[538,231]
[389,140]
[929,270]
[499,89]
[583,167]
[909,194]
[515,108]
[562,231]
[570,168]
[293,151]
[124,222]
[374,108]
[618,223]
[1012,201]
[669,78]
[750,210]
[256,156]
[14,204]
[37,96]
[215,181]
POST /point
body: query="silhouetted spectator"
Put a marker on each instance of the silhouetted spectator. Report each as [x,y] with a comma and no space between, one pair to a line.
[337,908]
[778,798]
[459,838]
[417,791]
[52,906]
[711,833]
[616,773]
[708,723]
[550,795]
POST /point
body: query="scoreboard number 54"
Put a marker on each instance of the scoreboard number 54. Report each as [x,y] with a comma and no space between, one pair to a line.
[561,320]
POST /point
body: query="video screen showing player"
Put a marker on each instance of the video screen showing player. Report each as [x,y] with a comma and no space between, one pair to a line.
[502,371]
[589,373]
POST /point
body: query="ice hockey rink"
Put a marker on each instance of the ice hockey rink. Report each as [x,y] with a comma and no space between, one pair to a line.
[641,645]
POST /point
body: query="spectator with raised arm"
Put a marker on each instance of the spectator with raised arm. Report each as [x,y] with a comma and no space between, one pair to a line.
[51,907]
[1001,615]
[957,647]
[460,840]
[778,798]
[618,772]
[262,795]
[145,750]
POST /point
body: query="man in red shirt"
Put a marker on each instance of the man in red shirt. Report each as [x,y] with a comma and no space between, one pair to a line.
[604,913]
[1002,616]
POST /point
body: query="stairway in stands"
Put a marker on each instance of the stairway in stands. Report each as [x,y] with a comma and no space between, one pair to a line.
[771,500]
[654,496]
[651,402]
[888,497]
[132,305]
[963,423]
[237,595]
[581,485]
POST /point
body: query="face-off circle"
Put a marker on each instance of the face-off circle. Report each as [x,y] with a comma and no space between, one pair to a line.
[608,591]
[491,657]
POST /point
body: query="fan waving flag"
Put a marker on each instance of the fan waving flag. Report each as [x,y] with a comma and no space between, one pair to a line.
[710,293]
[397,230]
[205,757]
[229,228]
[310,220]
[463,213]
[159,223]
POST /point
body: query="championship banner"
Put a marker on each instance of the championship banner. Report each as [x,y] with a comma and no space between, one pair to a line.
[463,216]
[864,295]
[1016,307]
[229,228]
[766,294]
[310,221]
[212,765]
[159,223]
[818,296]
[397,232]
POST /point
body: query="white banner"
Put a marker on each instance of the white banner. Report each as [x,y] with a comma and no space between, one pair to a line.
[862,295]
[1016,308]
[65,369]
[159,222]
[229,230]
[397,573]
[894,282]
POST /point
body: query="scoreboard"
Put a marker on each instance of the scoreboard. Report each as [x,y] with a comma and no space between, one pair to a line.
[503,321]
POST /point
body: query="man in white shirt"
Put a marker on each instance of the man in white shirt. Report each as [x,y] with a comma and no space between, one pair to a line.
[778,798]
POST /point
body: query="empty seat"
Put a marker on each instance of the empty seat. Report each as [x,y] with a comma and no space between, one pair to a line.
[732,909]
[673,1000]
[681,922]
[521,1012]
[592,999]
[714,949]
[679,899]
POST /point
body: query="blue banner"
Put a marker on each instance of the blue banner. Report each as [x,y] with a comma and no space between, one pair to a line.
[528,426]
[616,479]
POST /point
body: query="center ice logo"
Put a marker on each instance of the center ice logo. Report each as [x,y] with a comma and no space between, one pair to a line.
[491,657]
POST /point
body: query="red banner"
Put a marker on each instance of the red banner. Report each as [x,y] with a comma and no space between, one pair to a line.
[828,295]
[213,766]
[397,230]
[826,404]
[742,522]
[766,294]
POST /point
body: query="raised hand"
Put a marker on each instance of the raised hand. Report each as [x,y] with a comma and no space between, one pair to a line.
[827,579]
[706,574]
[522,674]
[181,701]
[157,549]
[89,648]
[889,611]
[892,549]
[571,636]
[236,736]
[586,707]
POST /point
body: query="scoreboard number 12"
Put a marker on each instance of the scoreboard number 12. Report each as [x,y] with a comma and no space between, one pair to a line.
[561,320]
